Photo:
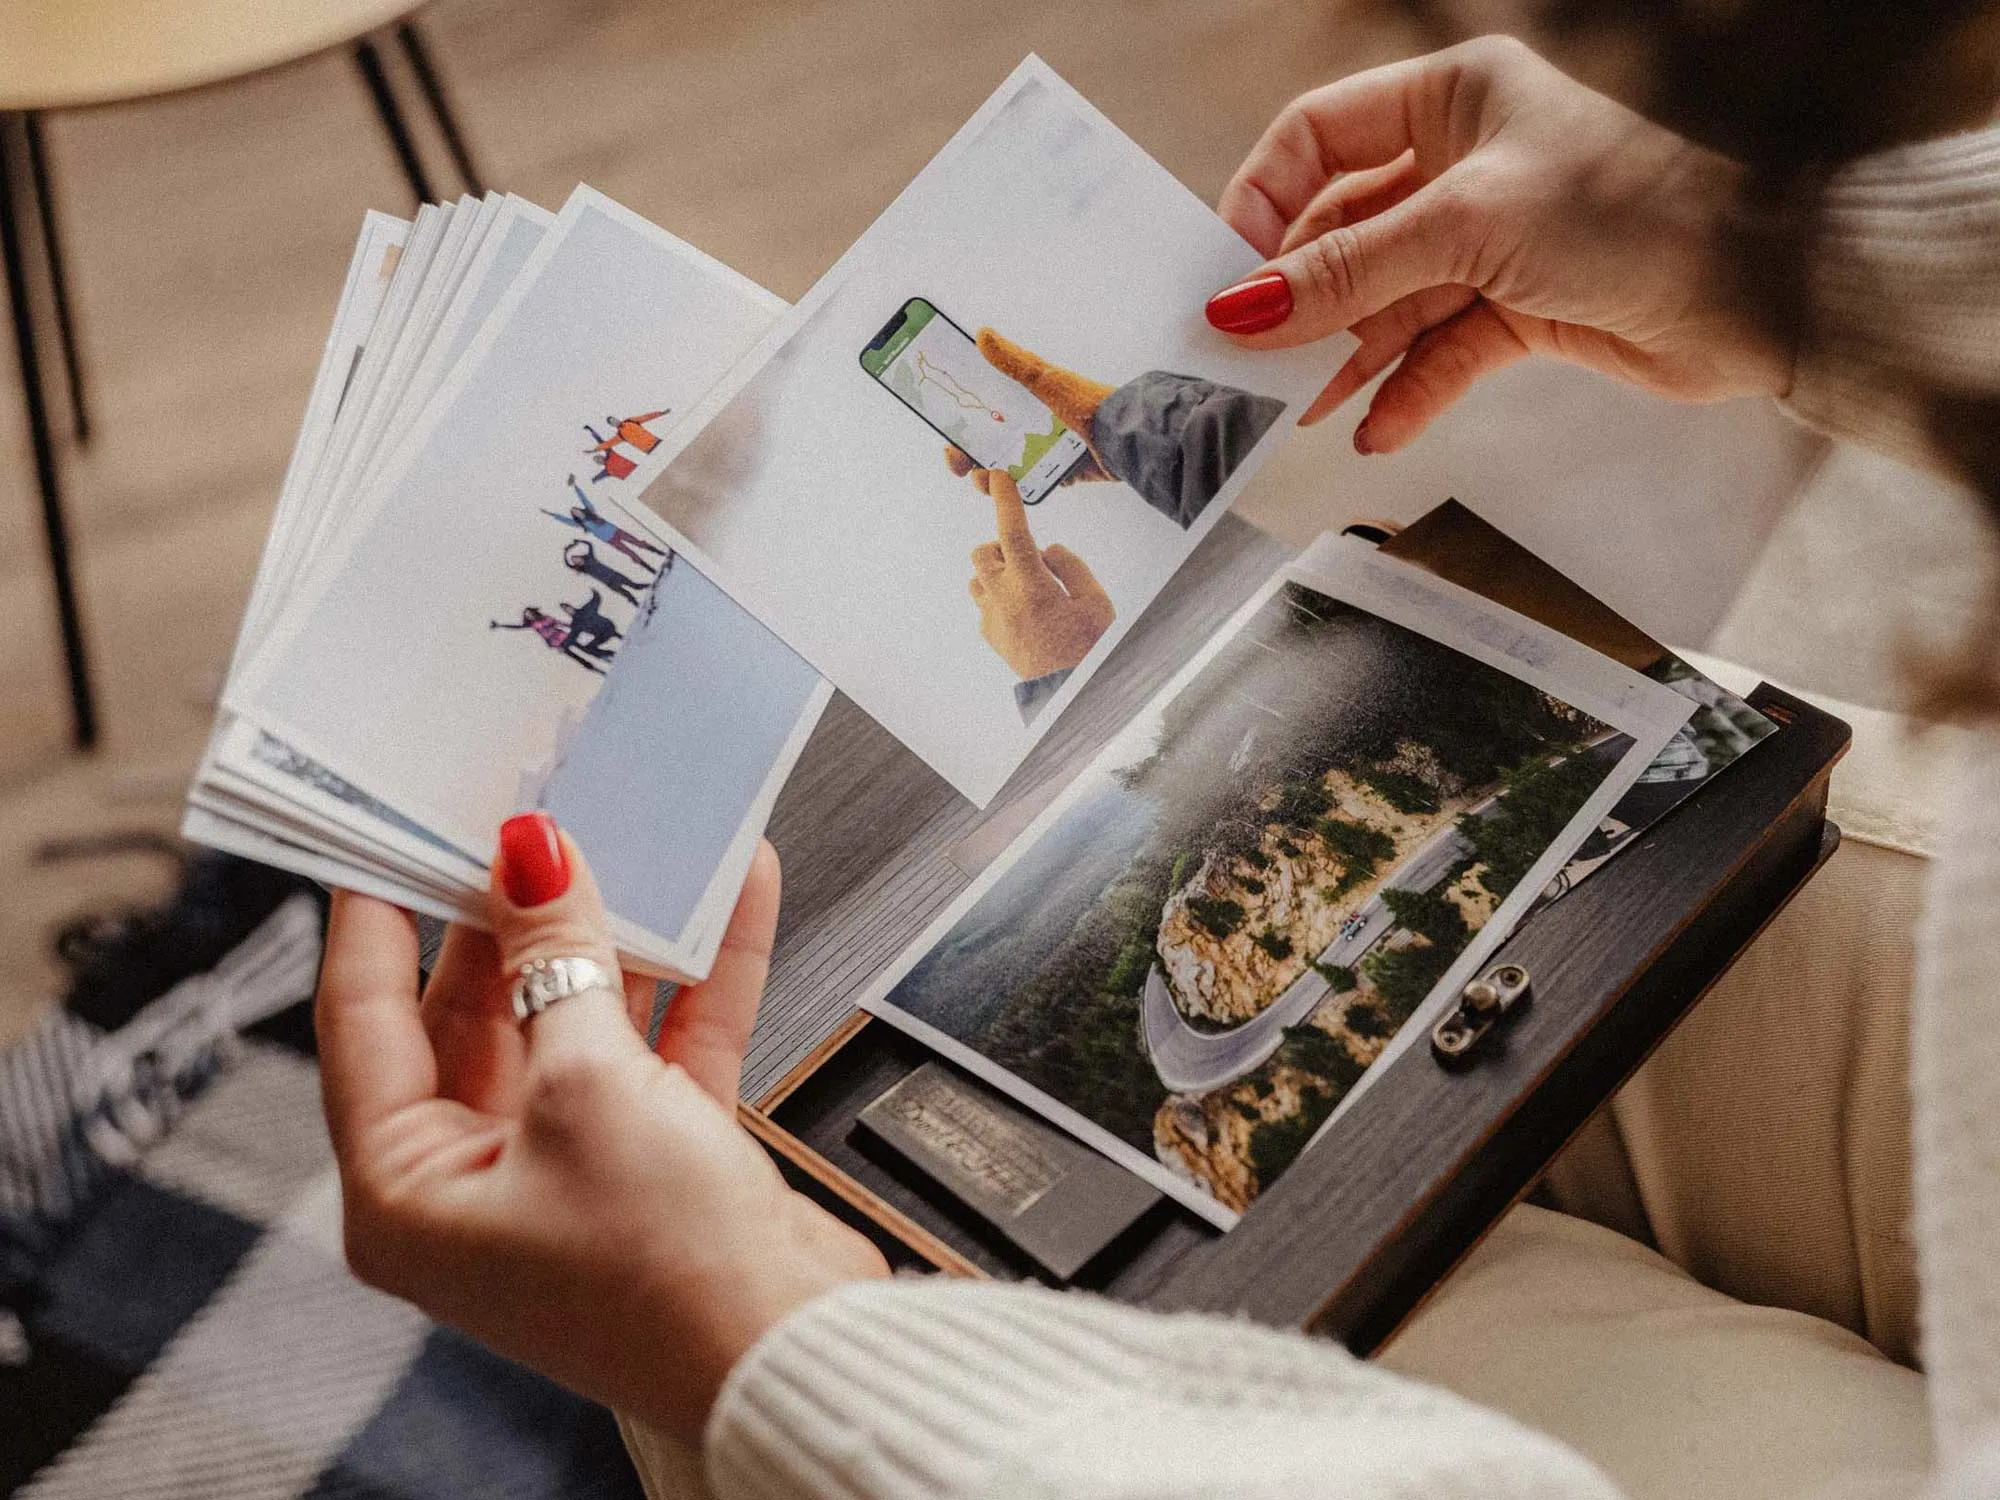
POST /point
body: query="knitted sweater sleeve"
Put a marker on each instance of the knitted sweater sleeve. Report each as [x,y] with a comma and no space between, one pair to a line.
[941,1390]
[1904,294]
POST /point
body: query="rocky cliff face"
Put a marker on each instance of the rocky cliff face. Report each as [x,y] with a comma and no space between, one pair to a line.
[1282,904]
[1285,920]
[1474,902]
[1208,1138]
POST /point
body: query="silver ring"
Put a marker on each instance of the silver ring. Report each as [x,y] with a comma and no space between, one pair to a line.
[543,981]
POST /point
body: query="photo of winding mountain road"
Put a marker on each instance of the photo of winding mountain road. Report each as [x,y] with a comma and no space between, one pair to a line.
[1256,887]
[1191,1061]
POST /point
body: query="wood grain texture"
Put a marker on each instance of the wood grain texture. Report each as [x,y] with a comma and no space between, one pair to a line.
[808,1065]
[820,1110]
[1352,1238]
[794,1155]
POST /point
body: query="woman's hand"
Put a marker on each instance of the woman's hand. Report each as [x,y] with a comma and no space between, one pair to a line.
[556,1190]
[1463,210]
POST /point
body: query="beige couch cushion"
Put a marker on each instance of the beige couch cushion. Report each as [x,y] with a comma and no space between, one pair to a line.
[1765,1146]
[1676,1391]
[1876,567]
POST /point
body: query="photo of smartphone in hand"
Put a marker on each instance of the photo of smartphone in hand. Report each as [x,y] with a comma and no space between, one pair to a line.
[935,368]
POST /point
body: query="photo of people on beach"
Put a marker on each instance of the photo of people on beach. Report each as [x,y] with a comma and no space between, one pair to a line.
[1256,888]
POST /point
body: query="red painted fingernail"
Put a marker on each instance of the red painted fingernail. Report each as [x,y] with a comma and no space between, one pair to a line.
[1253,306]
[1363,442]
[534,867]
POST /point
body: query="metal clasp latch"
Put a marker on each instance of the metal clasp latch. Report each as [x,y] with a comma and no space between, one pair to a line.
[1482,1005]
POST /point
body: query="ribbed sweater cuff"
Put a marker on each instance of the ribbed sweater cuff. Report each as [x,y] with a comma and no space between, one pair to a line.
[904,1389]
[933,1389]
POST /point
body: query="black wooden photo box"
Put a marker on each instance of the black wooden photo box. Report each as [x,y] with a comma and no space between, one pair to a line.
[946,1173]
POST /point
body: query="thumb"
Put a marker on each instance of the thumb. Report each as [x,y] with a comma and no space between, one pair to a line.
[1079,582]
[544,904]
[1353,271]
[708,1025]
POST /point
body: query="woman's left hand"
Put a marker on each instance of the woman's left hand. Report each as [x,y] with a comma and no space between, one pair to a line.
[556,1190]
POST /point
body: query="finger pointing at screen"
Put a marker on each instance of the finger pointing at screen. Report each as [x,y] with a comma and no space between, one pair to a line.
[1040,610]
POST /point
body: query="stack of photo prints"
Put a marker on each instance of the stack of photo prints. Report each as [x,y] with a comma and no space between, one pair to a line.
[581,519]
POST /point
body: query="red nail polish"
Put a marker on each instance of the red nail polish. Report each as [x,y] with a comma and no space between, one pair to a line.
[1363,442]
[1253,306]
[534,867]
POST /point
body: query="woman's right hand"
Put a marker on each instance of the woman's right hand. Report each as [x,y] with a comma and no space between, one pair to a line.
[1464,210]
[579,1203]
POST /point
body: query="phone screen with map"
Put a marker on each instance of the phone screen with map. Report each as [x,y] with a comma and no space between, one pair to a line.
[933,367]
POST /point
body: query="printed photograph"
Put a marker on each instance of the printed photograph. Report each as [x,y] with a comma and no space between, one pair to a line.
[980,446]
[667,776]
[1460,546]
[1257,887]
[509,602]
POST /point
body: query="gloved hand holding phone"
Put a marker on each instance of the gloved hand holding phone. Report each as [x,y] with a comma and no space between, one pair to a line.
[1040,608]
[1073,398]
[1175,439]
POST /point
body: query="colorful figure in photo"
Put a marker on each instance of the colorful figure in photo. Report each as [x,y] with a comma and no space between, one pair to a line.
[580,557]
[611,463]
[633,430]
[586,518]
[556,635]
[590,629]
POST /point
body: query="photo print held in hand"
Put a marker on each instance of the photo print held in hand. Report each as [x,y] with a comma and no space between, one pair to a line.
[569,660]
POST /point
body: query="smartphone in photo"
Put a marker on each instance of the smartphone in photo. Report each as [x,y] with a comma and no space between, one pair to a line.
[935,368]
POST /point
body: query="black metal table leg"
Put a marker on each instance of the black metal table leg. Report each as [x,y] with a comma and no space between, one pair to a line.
[419,54]
[83,707]
[45,210]
[369,60]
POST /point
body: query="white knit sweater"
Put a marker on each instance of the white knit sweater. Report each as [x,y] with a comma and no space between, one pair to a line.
[920,1390]
[949,1389]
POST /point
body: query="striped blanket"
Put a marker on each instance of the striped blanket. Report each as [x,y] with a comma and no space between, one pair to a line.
[175,1317]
